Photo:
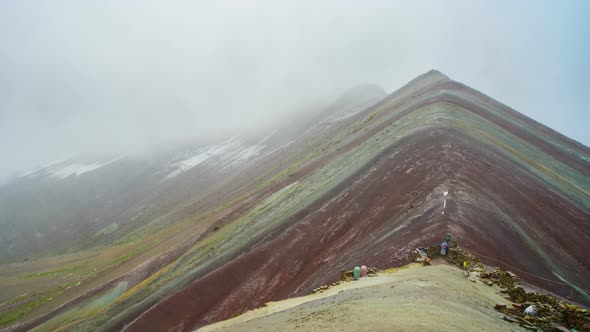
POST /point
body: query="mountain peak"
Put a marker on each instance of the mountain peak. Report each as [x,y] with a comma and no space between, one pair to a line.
[432,75]
[436,74]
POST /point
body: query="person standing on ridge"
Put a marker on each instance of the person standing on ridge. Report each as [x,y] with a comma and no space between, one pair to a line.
[443,248]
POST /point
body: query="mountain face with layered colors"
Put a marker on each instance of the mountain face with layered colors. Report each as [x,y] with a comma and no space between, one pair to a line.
[203,233]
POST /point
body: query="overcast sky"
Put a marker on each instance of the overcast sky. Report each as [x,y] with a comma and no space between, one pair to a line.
[120,76]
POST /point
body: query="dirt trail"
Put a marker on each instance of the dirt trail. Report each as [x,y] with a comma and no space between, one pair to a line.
[414,298]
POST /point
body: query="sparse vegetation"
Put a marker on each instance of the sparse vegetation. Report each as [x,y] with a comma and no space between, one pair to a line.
[23,304]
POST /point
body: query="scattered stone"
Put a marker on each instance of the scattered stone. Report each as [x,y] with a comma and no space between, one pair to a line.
[514,311]
[509,319]
[472,279]
[558,328]
[489,283]
[500,306]
[529,327]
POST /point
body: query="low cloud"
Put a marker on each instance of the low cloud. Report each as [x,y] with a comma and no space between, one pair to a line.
[114,77]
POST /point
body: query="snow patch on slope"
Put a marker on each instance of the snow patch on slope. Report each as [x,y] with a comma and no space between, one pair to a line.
[38,170]
[352,111]
[228,154]
[78,169]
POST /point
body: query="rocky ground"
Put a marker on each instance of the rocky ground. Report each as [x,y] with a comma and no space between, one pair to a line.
[547,312]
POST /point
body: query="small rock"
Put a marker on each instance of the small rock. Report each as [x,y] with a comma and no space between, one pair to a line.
[489,283]
[557,327]
[514,311]
[509,319]
[472,279]
[529,327]
[500,306]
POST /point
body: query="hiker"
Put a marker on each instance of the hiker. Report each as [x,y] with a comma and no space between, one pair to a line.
[364,271]
[356,274]
[423,256]
[421,252]
[443,248]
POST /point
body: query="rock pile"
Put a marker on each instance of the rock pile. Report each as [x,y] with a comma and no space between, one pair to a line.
[505,279]
[321,289]
[548,317]
[551,313]
[455,255]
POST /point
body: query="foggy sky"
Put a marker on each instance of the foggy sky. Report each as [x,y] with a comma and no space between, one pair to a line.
[126,76]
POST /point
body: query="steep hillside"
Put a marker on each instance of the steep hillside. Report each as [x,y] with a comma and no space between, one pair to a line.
[369,186]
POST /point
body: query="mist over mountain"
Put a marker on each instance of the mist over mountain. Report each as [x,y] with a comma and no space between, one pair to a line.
[112,78]
[55,206]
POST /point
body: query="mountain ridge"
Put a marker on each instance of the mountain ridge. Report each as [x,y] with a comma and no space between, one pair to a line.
[462,233]
[369,187]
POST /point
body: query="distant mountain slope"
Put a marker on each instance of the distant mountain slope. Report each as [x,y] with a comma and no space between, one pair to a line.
[362,184]
[70,203]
